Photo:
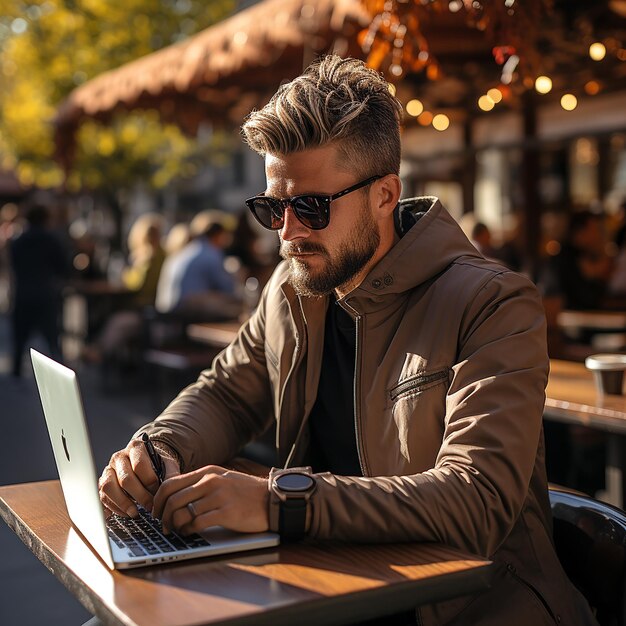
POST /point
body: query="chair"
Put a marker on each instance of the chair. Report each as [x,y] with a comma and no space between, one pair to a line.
[172,360]
[590,540]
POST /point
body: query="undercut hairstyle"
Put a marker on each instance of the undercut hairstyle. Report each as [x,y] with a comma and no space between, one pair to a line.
[335,101]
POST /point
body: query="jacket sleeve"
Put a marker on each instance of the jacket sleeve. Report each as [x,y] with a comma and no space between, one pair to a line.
[474,494]
[227,407]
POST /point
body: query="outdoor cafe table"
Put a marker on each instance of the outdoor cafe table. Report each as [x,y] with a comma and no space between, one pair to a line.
[571,397]
[217,334]
[599,321]
[302,583]
[605,328]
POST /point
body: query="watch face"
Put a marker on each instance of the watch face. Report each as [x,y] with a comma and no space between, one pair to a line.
[294,482]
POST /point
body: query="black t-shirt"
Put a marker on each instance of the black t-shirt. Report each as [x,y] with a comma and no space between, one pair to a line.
[333,438]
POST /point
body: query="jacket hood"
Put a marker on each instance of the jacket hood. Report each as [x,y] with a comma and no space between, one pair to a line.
[430,240]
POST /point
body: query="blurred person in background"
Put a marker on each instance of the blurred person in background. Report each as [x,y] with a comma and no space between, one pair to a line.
[194,281]
[248,247]
[39,266]
[481,238]
[125,327]
[176,239]
[10,227]
[578,275]
[146,256]
[617,283]
[480,235]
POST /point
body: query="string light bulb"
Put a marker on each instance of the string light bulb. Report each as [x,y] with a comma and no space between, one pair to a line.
[485,103]
[441,122]
[569,102]
[597,51]
[543,84]
[414,107]
[495,94]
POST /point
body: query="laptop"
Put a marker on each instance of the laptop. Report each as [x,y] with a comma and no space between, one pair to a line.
[120,542]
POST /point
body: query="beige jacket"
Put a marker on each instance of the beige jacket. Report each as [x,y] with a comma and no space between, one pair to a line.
[451,368]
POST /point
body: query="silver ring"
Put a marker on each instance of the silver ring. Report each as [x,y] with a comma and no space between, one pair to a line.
[192,509]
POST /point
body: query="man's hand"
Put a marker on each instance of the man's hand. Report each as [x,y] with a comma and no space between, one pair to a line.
[129,478]
[220,497]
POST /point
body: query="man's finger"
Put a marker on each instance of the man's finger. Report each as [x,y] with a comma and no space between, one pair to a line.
[110,489]
[202,522]
[142,467]
[111,506]
[176,511]
[129,482]
[174,485]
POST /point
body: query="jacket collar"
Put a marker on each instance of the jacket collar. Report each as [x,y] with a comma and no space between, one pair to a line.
[430,240]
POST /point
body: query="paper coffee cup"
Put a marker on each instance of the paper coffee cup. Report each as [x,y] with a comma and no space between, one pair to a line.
[608,370]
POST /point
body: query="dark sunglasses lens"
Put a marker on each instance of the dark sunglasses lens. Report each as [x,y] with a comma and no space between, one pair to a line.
[268,212]
[312,211]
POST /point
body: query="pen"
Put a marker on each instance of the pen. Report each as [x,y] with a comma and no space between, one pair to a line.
[155,459]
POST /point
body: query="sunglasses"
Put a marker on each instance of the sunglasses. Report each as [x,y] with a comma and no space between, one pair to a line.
[312,210]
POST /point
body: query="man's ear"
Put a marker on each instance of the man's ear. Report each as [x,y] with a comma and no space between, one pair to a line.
[387,194]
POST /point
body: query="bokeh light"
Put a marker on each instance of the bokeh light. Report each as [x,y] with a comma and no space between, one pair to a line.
[441,121]
[414,107]
[597,51]
[569,102]
[543,84]
[485,103]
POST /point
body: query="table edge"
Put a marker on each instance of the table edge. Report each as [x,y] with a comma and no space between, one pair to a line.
[56,566]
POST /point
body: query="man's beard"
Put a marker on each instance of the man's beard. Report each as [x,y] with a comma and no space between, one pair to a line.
[349,260]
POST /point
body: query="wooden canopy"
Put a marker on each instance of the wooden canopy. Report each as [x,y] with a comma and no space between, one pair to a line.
[222,73]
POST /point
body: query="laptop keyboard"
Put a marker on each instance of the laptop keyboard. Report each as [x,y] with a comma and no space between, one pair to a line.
[144,535]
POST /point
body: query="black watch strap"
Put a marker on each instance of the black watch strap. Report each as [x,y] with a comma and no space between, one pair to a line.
[292,519]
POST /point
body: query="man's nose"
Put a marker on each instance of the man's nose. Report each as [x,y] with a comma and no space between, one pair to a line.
[293,229]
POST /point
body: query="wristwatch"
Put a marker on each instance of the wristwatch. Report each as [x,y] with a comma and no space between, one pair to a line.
[290,492]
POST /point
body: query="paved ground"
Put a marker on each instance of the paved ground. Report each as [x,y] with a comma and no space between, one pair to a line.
[29,594]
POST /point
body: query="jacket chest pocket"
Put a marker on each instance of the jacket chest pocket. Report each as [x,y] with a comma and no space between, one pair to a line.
[417,383]
[418,406]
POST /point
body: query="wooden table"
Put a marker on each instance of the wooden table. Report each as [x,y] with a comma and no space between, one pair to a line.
[602,321]
[87,304]
[307,583]
[605,329]
[571,397]
[218,334]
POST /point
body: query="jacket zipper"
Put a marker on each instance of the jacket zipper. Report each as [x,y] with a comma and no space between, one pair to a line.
[357,398]
[531,588]
[294,362]
[418,381]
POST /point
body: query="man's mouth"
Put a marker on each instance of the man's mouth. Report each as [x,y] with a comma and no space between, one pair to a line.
[301,253]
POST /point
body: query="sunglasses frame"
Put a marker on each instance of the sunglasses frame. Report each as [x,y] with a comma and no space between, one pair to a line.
[280,205]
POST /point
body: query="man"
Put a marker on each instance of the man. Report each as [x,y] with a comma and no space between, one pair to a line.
[196,274]
[404,367]
[40,265]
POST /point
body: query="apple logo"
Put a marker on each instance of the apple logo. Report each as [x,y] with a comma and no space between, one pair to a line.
[64,440]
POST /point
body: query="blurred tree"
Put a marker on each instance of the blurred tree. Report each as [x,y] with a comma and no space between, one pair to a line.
[49,47]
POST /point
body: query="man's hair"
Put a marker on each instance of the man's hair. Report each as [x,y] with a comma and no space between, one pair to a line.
[335,101]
